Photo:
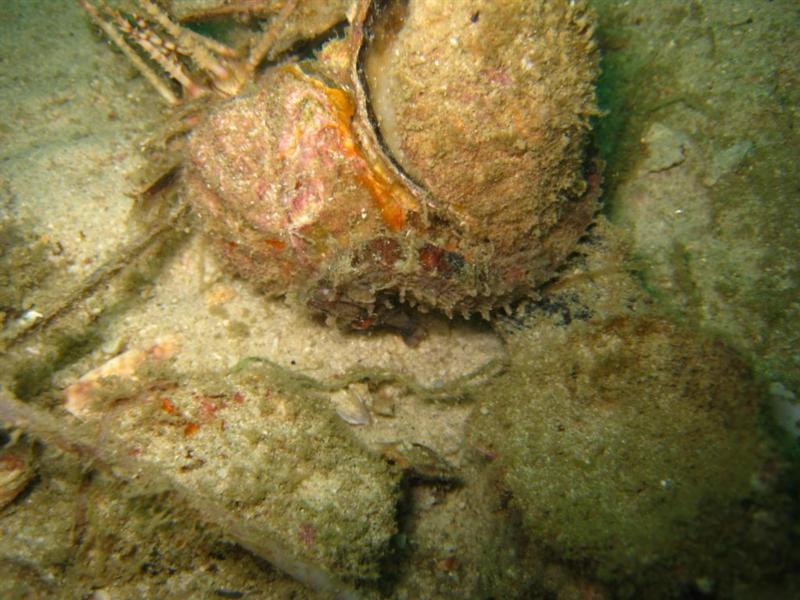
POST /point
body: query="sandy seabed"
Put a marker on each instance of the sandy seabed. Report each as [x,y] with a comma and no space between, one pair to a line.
[359,452]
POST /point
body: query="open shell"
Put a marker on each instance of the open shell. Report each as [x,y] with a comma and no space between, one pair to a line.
[434,157]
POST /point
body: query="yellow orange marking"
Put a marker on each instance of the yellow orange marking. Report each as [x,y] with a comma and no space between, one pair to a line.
[389,196]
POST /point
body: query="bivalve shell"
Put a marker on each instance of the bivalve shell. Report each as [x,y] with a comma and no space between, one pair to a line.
[445,167]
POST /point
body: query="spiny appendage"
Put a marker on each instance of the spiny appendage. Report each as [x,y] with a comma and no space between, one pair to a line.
[167,43]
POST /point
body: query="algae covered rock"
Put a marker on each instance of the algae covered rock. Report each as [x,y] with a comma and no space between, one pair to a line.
[259,456]
[627,444]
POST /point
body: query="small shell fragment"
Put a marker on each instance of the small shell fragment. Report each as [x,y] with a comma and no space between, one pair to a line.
[420,462]
[15,474]
[351,404]
[383,403]
[81,395]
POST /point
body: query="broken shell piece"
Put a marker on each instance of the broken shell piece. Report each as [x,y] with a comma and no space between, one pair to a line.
[420,462]
[82,395]
[383,403]
[351,404]
[15,474]
[220,295]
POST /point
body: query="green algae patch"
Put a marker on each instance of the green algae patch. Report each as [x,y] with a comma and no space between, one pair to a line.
[627,445]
